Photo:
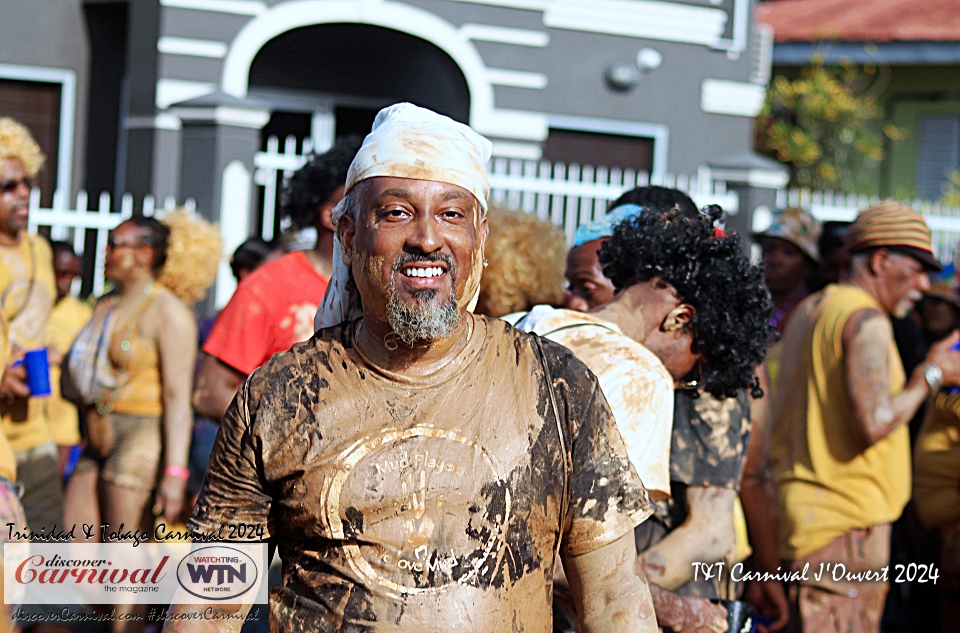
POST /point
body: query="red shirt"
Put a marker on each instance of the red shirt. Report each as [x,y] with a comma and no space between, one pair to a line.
[271,310]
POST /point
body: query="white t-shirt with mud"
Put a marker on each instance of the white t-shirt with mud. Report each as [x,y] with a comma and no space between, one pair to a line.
[637,385]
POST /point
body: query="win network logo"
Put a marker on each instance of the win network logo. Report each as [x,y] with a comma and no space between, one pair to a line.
[217,572]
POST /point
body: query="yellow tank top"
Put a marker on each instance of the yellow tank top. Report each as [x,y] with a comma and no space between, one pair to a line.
[936,464]
[829,482]
[138,364]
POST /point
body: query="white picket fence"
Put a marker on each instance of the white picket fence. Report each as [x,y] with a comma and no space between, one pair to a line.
[568,195]
[72,224]
[943,221]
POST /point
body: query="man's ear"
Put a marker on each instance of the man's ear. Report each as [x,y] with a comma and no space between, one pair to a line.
[325,216]
[678,318]
[347,233]
[877,259]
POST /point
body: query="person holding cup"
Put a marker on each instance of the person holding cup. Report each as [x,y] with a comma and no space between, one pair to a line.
[27,292]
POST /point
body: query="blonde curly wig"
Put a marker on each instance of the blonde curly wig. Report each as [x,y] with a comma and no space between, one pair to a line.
[526,261]
[17,142]
[193,255]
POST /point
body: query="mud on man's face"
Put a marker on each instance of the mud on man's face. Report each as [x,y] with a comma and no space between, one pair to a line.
[415,250]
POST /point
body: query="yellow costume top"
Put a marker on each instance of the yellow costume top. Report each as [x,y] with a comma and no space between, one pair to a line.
[137,363]
[27,291]
[829,481]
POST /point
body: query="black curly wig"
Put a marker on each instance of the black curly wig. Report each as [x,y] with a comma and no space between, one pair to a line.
[708,270]
[310,186]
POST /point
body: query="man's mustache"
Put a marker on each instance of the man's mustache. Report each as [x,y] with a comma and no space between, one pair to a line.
[411,258]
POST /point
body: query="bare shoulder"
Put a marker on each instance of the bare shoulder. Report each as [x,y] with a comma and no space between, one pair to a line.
[166,310]
[867,326]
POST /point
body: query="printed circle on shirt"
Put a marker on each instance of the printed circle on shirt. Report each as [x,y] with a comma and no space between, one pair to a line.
[418,509]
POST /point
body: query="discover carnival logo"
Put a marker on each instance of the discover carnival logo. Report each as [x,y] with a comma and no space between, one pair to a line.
[217,572]
[151,573]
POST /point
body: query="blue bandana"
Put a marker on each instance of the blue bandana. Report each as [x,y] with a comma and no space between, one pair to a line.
[604,226]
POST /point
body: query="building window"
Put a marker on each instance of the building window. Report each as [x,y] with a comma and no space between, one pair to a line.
[938,154]
[598,149]
[37,105]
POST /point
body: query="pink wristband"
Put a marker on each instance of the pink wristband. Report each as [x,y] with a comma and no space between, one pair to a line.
[177,471]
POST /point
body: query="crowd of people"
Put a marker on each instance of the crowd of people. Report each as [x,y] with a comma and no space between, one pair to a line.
[444,419]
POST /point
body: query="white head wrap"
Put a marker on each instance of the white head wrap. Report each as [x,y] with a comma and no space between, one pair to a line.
[406,141]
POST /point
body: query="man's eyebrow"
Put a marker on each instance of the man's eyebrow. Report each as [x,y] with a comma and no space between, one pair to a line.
[449,194]
[452,194]
[393,193]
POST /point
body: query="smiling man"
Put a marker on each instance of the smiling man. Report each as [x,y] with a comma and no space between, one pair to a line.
[421,468]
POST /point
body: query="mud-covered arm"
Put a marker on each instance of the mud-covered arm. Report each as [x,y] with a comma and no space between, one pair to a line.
[867,341]
[216,385]
[174,324]
[607,592]
[707,536]
[687,615]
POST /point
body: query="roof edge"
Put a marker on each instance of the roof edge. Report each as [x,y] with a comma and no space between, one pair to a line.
[890,53]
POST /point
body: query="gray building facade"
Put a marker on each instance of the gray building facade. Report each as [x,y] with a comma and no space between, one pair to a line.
[174,97]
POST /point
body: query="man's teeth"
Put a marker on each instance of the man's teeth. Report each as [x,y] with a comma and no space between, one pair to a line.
[424,272]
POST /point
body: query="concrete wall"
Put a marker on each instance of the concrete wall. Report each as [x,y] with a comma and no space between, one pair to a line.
[50,34]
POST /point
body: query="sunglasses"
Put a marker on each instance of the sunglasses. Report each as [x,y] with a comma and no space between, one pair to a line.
[113,242]
[9,186]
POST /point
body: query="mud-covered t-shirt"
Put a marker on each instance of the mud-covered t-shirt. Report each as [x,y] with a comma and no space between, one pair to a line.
[635,382]
[421,504]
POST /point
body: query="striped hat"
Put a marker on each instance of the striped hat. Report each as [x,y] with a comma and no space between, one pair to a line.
[895,226]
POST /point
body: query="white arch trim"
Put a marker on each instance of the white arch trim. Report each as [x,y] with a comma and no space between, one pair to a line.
[392,15]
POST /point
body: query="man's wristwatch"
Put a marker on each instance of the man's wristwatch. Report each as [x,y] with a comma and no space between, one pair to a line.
[933,376]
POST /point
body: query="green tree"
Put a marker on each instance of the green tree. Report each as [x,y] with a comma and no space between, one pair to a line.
[951,193]
[826,124]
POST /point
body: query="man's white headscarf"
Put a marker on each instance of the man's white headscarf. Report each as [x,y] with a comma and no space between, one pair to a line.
[406,141]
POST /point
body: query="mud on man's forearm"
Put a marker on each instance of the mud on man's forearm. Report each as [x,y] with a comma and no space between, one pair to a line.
[607,591]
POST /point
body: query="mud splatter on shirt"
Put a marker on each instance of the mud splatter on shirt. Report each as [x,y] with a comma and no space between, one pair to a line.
[421,504]
[709,439]
[635,382]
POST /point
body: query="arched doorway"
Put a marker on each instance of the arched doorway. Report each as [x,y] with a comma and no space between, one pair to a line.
[354,64]
[329,80]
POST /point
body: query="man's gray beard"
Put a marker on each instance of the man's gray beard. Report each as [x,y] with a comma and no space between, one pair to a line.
[423,321]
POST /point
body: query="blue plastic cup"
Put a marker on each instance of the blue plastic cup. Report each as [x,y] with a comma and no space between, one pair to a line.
[37,365]
[954,390]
